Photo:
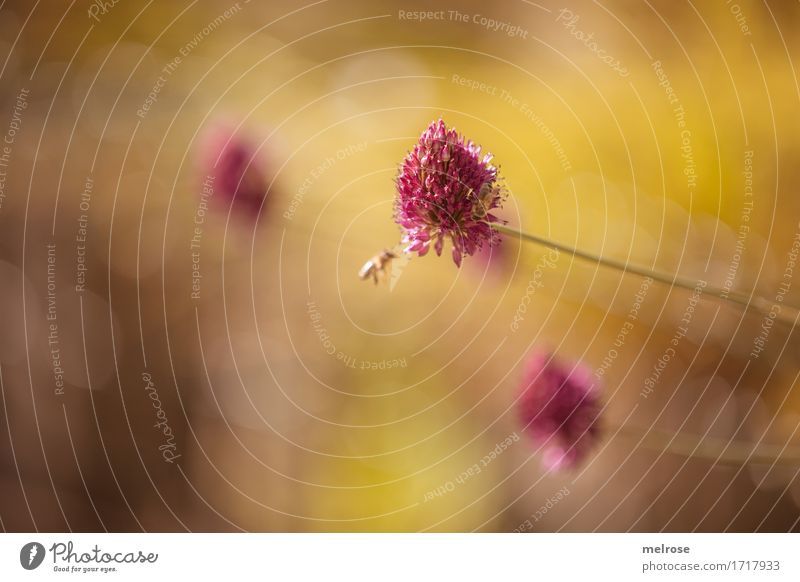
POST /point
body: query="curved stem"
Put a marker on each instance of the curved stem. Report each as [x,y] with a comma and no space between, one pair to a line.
[713,449]
[783,312]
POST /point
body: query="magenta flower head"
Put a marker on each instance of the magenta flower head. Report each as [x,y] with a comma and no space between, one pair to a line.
[232,168]
[560,408]
[446,189]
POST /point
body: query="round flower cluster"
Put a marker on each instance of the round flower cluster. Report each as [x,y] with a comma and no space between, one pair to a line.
[446,189]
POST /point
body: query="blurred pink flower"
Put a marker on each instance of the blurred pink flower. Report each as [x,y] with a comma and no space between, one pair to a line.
[230,163]
[560,406]
[491,258]
[496,261]
[446,189]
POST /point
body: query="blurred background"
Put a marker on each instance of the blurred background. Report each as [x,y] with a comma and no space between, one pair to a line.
[170,361]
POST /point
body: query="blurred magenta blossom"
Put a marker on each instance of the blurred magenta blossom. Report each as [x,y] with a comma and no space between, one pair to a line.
[230,158]
[560,408]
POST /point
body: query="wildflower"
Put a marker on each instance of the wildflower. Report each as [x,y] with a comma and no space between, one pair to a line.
[230,159]
[560,407]
[446,189]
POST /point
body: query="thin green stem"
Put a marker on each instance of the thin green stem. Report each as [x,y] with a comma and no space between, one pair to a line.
[780,311]
[714,449]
